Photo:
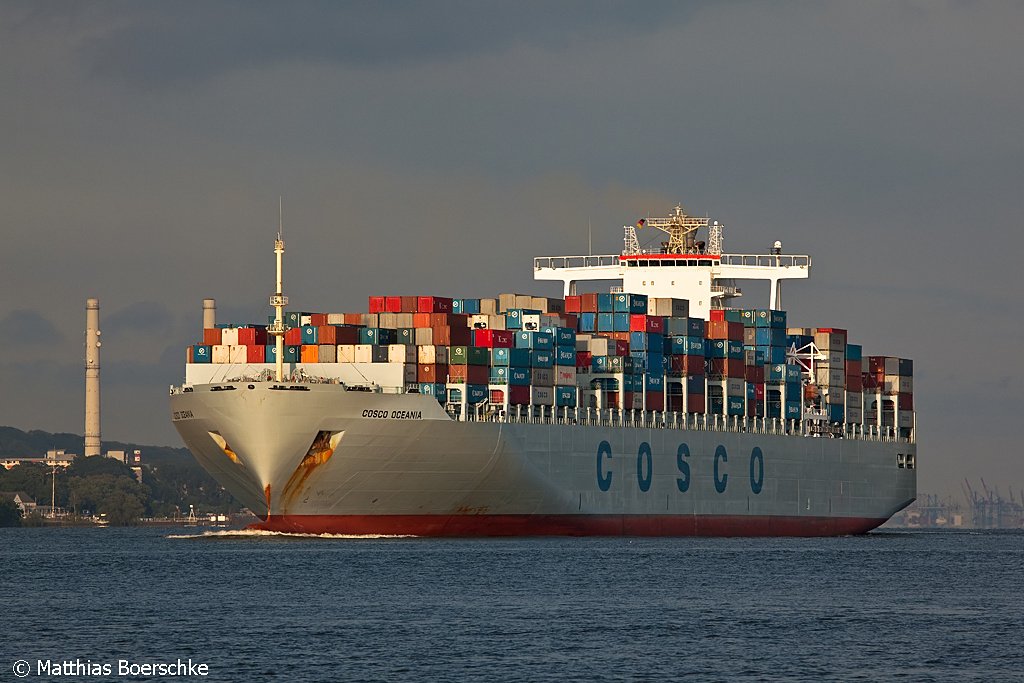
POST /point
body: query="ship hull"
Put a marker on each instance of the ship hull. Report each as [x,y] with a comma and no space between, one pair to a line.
[319,459]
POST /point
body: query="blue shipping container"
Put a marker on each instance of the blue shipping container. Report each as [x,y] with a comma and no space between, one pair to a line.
[588,322]
[202,354]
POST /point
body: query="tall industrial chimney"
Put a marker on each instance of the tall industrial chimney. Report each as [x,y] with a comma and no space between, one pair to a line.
[92,377]
[209,313]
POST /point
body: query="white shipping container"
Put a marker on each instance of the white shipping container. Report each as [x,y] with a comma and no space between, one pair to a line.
[371,319]
[424,336]
[735,387]
[221,353]
[830,341]
[531,322]
[402,353]
[403,319]
[479,322]
[668,307]
[598,346]
[837,359]
[538,303]
[489,306]
[552,320]
[583,342]
[238,354]
[335,318]
[854,415]
[565,376]
[898,384]
[430,355]
[364,353]
[831,377]
[305,320]
[542,396]
[834,396]
[389,320]
[523,301]
[892,366]
[327,353]
[505,302]
[346,353]
[905,418]
[229,336]
[638,402]
[854,399]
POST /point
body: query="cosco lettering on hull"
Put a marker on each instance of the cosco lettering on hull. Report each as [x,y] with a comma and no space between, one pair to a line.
[645,468]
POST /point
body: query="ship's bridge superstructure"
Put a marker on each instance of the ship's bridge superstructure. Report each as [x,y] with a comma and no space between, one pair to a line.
[683,266]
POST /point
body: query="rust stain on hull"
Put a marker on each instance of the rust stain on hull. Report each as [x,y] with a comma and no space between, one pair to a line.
[266,494]
[319,453]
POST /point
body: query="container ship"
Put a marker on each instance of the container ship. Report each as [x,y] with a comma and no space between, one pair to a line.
[657,407]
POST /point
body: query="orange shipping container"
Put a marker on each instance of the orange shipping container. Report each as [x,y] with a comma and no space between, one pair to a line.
[309,353]
[427,374]
[211,336]
[327,334]
[421,320]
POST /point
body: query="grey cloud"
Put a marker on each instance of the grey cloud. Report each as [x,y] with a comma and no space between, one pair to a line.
[25,327]
[192,42]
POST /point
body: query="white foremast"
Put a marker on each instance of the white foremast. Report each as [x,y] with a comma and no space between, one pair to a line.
[683,267]
[278,300]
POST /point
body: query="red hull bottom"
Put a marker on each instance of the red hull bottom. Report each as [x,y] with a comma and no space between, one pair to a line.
[568,525]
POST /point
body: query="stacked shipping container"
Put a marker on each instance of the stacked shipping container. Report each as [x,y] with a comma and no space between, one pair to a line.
[614,350]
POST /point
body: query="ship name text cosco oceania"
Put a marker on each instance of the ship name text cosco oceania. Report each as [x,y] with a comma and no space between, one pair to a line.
[394,414]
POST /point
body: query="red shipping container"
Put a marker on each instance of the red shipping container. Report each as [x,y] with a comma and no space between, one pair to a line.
[293,337]
[654,324]
[572,304]
[853,367]
[854,383]
[755,374]
[497,396]
[309,353]
[759,392]
[421,320]
[493,339]
[584,359]
[518,396]
[317,319]
[695,403]
[905,402]
[252,336]
[211,336]
[735,368]
[676,364]
[735,331]
[693,365]
[433,304]
[408,304]
[346,334]
[471,374]
[255,354]
[831,330]
[392,304]
[675,403]
[354,319]
[377,304]
[716,315]
[452,336]
[588,303]
[571,320]
[433,373]
[655,400]
[326,334]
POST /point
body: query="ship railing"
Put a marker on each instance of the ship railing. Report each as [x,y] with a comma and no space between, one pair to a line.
[560,262]
[767,260]
[657,419]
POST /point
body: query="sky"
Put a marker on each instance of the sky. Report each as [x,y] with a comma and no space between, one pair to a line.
[436,148]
